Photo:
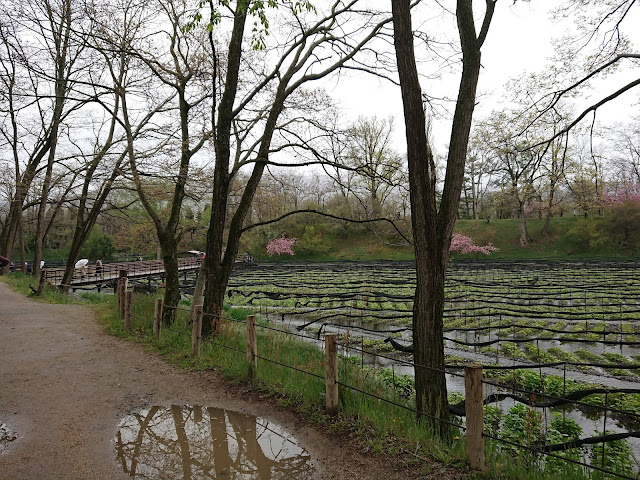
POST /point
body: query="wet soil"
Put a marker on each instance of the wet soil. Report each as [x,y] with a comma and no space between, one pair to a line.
[66,385]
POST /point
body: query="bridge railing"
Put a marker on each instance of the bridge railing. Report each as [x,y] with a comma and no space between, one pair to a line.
[92,273]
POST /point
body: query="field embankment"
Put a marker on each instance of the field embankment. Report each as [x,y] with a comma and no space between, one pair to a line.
[569,238]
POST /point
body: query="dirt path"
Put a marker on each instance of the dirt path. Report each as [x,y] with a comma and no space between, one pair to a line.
[65,385]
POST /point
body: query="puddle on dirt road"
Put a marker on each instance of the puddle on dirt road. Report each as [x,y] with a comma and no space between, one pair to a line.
[7,437]
[193,442]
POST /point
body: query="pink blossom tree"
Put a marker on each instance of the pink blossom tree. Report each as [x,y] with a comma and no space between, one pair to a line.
[281,245]
[463,244]
[630,193]
[622,224]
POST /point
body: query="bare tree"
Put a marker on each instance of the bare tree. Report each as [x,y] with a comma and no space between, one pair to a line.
[45,69]
[517,161]
[596,51]
[316,44]
[433,226]
[625,151]
[179,71]
[377,167]
[479,169]
[101,168]
[41,63]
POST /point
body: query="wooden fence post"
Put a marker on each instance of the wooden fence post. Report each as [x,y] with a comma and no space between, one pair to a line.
[121,289]
[157,319]
[331,372]
[196,337]
[128,305]
[41,282]
[252,346]
[475,416]
[119,295]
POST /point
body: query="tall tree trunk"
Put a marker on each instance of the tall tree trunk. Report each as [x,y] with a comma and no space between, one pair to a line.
[86,222]
[23,183]
[172,277]
[215,288]
[216,276]
[23,260]
[11,227]
[376,207]
[474,194]
[524,234]
[553,179]
[547,221]
[217,268]
[428,353]
[428,343]
[546,228]
[432,229]
[41,227]
[74,253]
[468,210]
[61,38]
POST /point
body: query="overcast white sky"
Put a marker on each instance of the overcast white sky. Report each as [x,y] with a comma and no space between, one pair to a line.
[520,39]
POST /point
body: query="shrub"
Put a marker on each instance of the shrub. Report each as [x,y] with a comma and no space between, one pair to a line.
[463,244]
[99,245]
[281,245]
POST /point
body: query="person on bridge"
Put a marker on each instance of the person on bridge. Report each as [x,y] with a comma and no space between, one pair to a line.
[99,268]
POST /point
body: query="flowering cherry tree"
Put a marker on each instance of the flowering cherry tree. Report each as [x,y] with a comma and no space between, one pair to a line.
[630,193]
[463,244]
[281,245]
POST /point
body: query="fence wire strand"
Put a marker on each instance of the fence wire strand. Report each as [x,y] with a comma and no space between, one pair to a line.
[560,457]
[566,400]
[138,313]
[418,412]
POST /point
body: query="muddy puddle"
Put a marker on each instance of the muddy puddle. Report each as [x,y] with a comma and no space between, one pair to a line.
[7,437]
[194,442]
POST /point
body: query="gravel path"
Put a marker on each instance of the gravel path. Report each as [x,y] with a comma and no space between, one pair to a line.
[65,385]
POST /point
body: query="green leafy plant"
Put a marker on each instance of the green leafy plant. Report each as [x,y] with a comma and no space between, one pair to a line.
[615,456]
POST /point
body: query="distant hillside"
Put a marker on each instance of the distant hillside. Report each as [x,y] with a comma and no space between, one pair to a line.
[564,242]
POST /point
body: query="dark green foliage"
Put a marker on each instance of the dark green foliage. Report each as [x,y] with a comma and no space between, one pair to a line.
[99,245]
[617,457]
[566,427]
[403,384]
[588,233]
[492,417]
[524,426]
[623,224]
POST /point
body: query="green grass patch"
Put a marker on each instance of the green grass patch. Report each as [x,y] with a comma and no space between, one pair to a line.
[380,427]
[22,283]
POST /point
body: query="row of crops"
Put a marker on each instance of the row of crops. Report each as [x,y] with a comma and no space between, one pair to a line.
[563,329]
[566,330]
[584,314]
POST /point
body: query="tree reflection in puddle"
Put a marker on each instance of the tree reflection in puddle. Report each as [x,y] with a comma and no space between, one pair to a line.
[193,442]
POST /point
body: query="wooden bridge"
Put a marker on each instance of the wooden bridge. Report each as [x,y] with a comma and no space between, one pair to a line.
[109,272]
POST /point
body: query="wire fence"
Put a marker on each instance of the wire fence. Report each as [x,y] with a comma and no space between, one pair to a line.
[193,317]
